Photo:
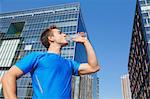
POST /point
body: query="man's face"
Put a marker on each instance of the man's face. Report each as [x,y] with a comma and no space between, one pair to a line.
[59,37]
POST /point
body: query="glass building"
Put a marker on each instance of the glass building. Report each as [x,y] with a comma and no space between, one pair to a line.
[145,11]
[139,56]
[20,35]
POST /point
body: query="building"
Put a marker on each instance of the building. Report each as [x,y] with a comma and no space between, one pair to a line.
[139,63]
[89,84]
[125,84]
[21,36]
[145,11]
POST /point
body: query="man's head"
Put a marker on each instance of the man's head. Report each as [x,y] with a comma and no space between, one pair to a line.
[53,35]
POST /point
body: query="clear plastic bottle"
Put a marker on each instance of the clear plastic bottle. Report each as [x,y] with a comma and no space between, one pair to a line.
[70,37]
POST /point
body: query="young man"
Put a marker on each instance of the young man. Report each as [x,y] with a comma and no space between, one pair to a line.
[51,74]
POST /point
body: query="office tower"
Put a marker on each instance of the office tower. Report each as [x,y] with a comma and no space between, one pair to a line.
[138,63]
[145,11]
[125,84]
[89,84]
[21,36]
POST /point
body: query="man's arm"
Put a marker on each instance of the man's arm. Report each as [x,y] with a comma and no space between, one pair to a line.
[92,65]
[9,82]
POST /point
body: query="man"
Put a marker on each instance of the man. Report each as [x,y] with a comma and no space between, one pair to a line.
[51,74]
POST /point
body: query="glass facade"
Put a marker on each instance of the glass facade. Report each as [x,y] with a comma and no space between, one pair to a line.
[145,11]
[22,31]
[139,63]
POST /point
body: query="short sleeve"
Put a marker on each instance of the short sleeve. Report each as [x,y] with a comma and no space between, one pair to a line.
[26,63]
[75,66]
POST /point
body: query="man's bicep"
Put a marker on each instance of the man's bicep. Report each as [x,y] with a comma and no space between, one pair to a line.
[15,71]
[85,68]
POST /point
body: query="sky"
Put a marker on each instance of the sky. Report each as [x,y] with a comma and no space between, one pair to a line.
[109,24]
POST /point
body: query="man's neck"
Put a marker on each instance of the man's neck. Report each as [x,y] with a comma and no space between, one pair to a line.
[54,49]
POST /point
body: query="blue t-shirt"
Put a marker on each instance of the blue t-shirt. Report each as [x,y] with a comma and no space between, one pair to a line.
[51,74]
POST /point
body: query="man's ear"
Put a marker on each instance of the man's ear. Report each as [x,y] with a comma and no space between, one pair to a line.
[51,38]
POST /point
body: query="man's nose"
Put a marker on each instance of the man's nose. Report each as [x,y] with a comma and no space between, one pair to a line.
[64,34]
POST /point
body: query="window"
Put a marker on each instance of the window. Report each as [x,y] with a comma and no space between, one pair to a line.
[16,28]
[148,20]
[142,2]
[145,14]
[28,47]
[144,21]
[147,28]
[8,49]
[148,1]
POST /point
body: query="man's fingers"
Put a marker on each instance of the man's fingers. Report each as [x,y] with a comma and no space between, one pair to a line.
[82,34]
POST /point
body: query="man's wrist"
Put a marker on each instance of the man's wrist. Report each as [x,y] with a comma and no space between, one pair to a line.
[85,41]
